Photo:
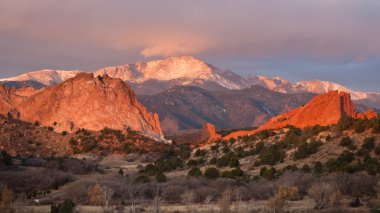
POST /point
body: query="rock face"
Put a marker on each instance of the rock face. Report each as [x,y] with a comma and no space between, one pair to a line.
[82,102]
[208,133]
[324,110]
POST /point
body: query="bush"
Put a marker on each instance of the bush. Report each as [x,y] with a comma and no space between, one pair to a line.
[268,174]
[233,173]
[200,153]
[344,123]
[212,173]
[369,143]
[64,133]
[234,162]
[66,207]
[7,159]
[229,159]
[195,162]
[306,168]
[142,179]
[194,172]
[161,177]
[346,141]
[304,149]
[324,194]
[318,167]
[271,155]
[359,125]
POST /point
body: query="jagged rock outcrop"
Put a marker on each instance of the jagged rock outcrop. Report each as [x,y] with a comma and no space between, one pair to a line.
[208,133]
[82,102]
[324,110]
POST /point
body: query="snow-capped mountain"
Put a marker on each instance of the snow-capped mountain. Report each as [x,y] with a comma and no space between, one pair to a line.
[45,77]
[318,86]
[183,70]
[314,86]
[153,77]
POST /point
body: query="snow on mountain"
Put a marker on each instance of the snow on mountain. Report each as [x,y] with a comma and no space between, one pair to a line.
[156,76]
[186,69]
[315,86]
[318,86]
[45,77]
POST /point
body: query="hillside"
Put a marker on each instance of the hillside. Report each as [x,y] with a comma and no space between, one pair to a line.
[182,108]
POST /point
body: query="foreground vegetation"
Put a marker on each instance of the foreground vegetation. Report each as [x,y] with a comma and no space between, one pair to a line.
[333,168]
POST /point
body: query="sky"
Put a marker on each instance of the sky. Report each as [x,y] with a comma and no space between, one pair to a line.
[335,40]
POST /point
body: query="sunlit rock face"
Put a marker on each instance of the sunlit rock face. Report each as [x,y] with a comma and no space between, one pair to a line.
[323,110]
[84,101]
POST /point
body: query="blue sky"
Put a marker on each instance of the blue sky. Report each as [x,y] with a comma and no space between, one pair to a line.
[335,40]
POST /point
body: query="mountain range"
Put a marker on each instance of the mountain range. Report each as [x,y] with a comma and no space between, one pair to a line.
[187,92]
[148,78]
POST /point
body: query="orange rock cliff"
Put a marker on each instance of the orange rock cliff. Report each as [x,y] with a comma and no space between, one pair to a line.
[82,102]
[324,110]
[208,133]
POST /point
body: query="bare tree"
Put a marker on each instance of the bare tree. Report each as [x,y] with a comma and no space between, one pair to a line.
[157,199]
[277,203]
[131,192]
[95,194]
[188,198]
[107,195]
[6,200]
[238,200]
[325,195]
[225,201]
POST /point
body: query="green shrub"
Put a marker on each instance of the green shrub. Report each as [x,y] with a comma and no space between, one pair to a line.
[195,162]
[346,141]
[344,123]
[234,162]
[305,149]
[194,172]
[268,174]
[142,179]
[213,160]
[318,167]
[161,177]
[359,127]
[369,143]
[233,173]
[291,168]
[66,207]
[212,173]
[167,165]
[7,159]
[293,135]
[271,155]
[306,168]
[200,153]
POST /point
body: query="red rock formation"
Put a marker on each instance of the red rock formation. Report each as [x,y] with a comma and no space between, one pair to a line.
[82,102]
[369,114]
[208,134]
[324,110]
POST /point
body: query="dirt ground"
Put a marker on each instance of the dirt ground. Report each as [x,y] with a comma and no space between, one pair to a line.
[243,207]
